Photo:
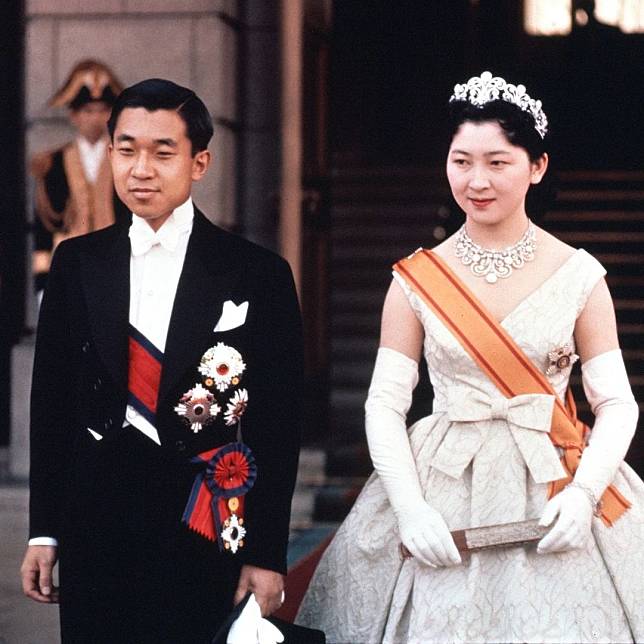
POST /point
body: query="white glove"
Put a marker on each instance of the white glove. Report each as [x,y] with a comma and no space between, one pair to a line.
[611,400]
[251,628]
[575,511]
[422,529]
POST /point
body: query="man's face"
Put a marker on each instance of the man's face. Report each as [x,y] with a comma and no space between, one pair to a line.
[152,162]
[90,120]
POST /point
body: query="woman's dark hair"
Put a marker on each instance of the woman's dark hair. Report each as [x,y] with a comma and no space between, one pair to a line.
[159,94]
[518,127]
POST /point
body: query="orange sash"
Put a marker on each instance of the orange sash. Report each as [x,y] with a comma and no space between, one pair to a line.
[501,359]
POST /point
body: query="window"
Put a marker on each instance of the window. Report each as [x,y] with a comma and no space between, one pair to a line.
[554,17]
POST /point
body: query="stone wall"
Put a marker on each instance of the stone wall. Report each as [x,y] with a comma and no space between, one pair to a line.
[192,42]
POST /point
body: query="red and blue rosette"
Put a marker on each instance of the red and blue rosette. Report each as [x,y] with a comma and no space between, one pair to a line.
[216,502]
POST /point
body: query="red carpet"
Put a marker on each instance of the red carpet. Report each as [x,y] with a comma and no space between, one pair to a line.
[297,581]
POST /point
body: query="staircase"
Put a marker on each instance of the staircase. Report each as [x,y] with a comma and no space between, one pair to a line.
[380,215]
[603,212]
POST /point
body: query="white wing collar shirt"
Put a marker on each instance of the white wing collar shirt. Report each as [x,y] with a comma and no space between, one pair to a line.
[156,261]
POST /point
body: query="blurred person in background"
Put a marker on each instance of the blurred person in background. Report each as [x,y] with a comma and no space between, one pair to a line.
[74,191]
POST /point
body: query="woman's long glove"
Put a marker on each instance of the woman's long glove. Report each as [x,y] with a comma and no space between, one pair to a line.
[611,400]
[422,529]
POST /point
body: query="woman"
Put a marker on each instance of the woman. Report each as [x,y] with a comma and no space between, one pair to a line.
[496,450]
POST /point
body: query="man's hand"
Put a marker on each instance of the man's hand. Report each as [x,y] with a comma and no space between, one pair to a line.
[267,585]
[36,572]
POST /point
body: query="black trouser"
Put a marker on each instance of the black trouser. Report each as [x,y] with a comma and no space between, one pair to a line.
[129,570]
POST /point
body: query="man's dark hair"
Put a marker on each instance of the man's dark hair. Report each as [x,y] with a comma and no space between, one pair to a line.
[159,94]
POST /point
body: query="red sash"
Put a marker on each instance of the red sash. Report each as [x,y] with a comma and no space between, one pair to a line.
[144,375]
[502,360]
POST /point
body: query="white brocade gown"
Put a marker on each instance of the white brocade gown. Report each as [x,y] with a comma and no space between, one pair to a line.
[474,473]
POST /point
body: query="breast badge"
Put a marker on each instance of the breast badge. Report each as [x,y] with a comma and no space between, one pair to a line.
[215,507]
[560,359]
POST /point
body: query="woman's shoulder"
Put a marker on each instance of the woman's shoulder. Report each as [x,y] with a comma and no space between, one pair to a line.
[560,253]
[553,246]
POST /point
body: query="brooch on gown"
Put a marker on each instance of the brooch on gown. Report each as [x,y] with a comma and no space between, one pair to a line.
[215,507]
[560,359]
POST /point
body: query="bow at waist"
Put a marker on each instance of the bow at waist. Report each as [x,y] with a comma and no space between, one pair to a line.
[528,416]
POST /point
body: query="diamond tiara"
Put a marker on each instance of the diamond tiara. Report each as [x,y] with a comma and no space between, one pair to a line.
[485,88]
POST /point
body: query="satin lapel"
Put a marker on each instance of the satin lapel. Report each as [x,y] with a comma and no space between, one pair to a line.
[208,278]
[105,278]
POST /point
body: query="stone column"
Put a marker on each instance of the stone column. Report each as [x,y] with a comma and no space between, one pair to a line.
[259,164]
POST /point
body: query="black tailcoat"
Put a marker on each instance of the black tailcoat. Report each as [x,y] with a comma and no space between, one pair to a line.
[130,571]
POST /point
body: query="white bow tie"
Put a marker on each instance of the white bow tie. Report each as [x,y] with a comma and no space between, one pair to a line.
[143,238]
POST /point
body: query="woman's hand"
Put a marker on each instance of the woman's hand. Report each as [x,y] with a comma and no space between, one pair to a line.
[572,529]
[425,534]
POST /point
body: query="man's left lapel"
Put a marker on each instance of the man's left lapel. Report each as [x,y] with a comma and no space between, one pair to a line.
[208,278]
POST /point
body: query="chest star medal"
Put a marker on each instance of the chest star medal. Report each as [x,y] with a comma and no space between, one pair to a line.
[198,407]
[223,365]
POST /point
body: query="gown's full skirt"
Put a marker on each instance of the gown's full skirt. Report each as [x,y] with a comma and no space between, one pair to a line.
[363,592]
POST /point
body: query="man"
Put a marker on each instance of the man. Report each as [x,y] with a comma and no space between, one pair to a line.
[154,340]
[74,192]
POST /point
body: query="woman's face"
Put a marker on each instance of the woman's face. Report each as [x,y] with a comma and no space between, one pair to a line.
[489,176]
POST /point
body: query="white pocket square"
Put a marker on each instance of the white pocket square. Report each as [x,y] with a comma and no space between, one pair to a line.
[94,434]
[232,316]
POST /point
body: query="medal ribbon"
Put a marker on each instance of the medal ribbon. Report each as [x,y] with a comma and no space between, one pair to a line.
[229,473]
[144,374]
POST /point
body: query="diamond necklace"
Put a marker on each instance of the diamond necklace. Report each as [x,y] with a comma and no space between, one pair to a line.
[492,264]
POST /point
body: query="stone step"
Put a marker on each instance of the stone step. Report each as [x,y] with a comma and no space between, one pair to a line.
[620,259]
[376,193]
[382,252]
[367,326]
[351,375]
[423,176]
[600,195]
[601,176]
[578,237]
[371,302]
[367,214]
[364,274]
[310,476]
[404,240]
[602,216]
